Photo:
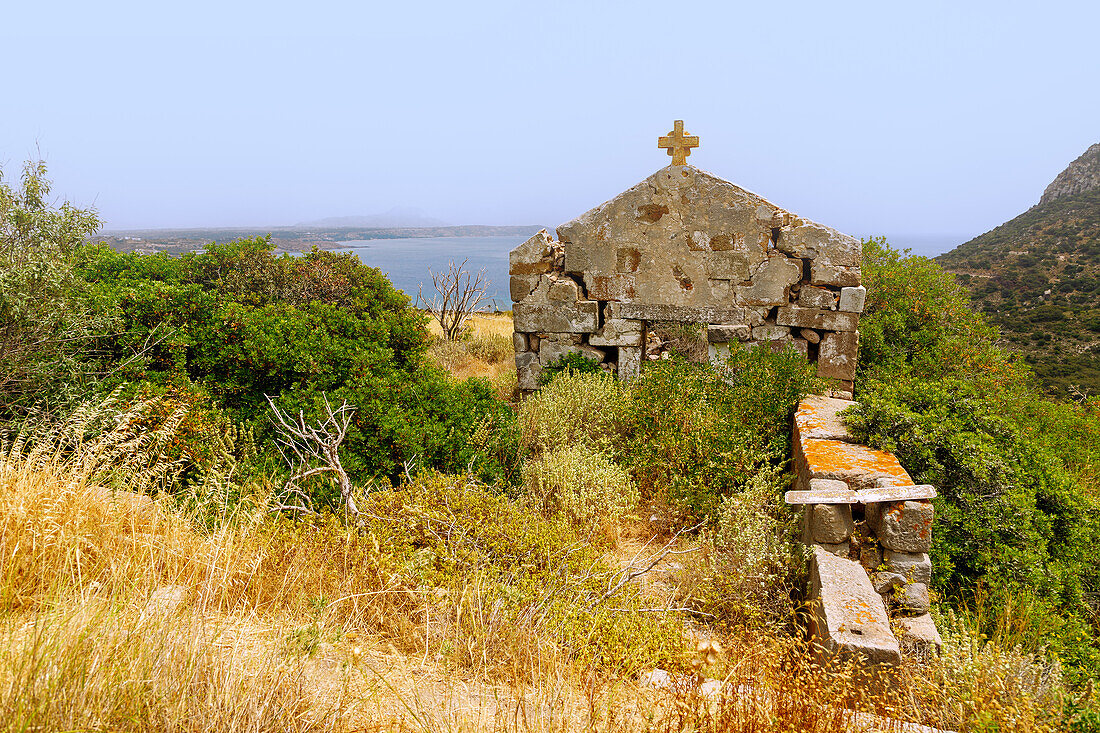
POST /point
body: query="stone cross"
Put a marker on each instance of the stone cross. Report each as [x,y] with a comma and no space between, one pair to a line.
[679,145]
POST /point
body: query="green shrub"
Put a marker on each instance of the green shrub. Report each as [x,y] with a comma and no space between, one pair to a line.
[750,565]
[569,363]
[580,482]
[699,432]
[241,323]
[512,587]
[46,321]
[1009,516]
[576,408]
[918,322]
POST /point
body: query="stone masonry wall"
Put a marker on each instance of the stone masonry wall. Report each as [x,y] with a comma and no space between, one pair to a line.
[869,528]
[686,247]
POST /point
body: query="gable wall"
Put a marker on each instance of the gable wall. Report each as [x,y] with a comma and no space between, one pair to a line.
[686,247]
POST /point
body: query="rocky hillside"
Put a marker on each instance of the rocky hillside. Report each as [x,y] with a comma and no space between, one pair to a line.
[1038,278]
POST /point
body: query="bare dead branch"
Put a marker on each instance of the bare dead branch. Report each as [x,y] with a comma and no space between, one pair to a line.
[619,579]
[313,449]
[458,293]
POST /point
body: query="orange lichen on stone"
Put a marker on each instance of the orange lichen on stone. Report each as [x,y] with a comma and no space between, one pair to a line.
[818,417]
[859,466]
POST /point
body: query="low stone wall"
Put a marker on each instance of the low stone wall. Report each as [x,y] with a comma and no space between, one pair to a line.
[870,529]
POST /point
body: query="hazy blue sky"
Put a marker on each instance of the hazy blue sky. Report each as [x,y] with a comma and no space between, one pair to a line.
[883,117]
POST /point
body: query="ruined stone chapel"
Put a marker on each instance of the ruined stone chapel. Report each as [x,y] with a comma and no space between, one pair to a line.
[684,246]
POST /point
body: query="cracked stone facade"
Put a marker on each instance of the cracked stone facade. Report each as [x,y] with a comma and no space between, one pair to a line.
[684,246]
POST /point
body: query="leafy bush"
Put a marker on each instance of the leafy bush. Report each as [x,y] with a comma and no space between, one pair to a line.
[580,482]
[1009,516]
[1016,474]
[577,408]
[45,320]
[570,362]
[241,323]
[700,432]
[750,565]
[918,322]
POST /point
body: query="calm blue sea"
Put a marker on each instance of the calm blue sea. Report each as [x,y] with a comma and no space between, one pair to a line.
[407,261]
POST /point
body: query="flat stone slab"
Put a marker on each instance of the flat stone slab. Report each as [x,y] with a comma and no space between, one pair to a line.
[837,496]
[849,616]
[823,491]
[896,493]
[857,465]
[818,417]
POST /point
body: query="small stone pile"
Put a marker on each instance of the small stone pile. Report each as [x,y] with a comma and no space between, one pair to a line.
[870,529]
[686,247]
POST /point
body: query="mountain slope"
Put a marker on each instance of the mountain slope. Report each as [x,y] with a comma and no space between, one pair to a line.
[1038,278]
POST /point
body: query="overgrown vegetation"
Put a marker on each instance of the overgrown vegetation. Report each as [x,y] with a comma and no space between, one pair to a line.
[1016,520]
[1037,277]
[161,572]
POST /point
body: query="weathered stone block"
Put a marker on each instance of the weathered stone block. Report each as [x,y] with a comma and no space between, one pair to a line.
[826,274]
[528,369]
[579,317]
[770,282]
[911,598]
[726,265]
[757,316]
[769,332]
[519,342]
[810,296]
[819,417]
[520,286]
[814,318]
[617,287]
[849,617]
[840,549]
[918,636]
[618,332]
[564,290]
[723,334]
[888,493]
[676,313]
[853,299]
[914,567]
[836,356]
[903,526]
[857,465]
[829,524]
[630,362]
[817,242]
[533,257]
[823,491]
[810,335]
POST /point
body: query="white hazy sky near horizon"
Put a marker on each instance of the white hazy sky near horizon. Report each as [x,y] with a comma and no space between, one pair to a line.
[875,118]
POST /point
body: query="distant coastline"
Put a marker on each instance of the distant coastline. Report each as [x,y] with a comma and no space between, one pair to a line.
[290,239]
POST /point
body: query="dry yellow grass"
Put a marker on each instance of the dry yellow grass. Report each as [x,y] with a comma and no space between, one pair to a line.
[486,354]
[280,626]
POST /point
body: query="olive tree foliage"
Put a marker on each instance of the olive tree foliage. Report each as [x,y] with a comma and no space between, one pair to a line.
[44,320]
